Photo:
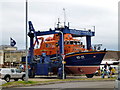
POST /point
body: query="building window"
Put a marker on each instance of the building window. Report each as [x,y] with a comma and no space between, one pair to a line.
[8,56]
[14,56]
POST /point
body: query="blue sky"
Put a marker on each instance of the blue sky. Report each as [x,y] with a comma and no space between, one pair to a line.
[44,13]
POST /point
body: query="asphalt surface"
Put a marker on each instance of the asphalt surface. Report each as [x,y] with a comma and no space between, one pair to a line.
[46,78]
[75,84]
[80,85]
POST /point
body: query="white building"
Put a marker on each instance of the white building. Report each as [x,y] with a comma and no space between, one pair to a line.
[9,56]
[1,57]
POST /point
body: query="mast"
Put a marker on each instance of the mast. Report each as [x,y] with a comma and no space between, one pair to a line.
[64,17]
[58,23]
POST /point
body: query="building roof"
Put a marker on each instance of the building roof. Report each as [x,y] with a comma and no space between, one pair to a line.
[112,55]
[2,47]
[16,51]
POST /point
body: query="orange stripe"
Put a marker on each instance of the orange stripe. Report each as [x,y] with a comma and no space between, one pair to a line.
[84,53]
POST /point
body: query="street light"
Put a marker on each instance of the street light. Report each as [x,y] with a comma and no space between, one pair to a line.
[26,69]
[63,66]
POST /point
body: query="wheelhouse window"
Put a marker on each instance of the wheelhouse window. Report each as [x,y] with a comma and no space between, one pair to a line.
[75,42]
[48,45]
[71,42]
[68,42]
[78,43]
[81,43]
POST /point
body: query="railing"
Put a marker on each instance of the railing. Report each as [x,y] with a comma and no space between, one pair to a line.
[96,47]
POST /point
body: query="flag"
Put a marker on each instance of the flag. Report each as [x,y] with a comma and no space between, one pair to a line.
[12,42]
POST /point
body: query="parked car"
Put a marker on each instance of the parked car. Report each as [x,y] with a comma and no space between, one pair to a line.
[11,73]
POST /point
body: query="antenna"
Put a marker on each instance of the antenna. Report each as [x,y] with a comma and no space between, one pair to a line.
[68,24]
[58,23]
[64,17]
[94,28]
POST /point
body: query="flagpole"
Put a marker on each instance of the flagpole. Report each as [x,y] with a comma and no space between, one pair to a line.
[10,59]
[10,53]
[26,40]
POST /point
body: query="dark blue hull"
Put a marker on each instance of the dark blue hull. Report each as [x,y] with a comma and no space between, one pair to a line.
[85,58]
[81,62]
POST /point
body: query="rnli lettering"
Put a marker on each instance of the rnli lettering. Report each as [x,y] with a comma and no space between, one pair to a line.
[80,57]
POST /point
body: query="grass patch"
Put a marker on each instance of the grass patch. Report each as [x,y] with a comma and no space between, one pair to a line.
[89,79]
[17,83]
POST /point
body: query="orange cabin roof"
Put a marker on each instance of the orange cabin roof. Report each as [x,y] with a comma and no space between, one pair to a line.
[49,39]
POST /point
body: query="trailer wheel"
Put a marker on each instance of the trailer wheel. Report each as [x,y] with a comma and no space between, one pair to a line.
[89,75]
[60,76]
[32,74]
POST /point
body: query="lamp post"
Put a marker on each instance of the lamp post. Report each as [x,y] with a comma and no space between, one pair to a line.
[26,69]
[62,53]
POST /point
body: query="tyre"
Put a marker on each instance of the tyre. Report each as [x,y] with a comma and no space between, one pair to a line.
[16,79]
[60,76]
[23,77]
[89,75]
[7,78]
[31,74]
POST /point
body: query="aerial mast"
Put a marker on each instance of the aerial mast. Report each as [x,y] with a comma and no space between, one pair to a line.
[64,17]
[58,23]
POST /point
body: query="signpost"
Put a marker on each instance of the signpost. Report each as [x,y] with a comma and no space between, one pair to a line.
[63,56]
[63,63]
[62,53]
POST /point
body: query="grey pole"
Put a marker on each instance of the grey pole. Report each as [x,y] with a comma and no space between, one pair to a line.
[63,66]
[63,54]
[119,75]
[26,41]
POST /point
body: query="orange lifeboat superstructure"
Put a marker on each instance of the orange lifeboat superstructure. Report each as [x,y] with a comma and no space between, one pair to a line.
[50,45]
